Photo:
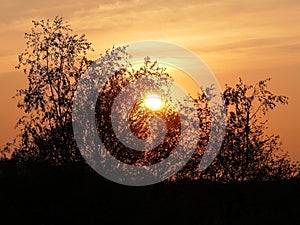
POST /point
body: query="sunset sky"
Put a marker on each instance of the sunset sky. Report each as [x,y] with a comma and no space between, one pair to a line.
[250,39]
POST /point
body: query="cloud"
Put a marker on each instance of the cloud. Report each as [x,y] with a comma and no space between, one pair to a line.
[212,26]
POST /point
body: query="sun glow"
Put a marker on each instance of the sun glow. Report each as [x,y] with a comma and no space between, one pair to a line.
[153,102]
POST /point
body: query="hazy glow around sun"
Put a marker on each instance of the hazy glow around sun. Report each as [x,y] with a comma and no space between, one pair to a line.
[153,102]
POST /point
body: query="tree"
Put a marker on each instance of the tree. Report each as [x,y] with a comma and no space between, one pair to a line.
[140,116]
[248,153]
[53,61]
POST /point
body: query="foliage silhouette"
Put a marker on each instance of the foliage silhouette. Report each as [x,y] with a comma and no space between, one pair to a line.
[140,116]
[248,153]
[55,60]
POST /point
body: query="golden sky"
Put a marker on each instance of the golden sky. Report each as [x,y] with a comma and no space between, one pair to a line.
[250,39]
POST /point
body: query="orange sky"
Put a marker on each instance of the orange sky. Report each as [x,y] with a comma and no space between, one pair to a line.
[252,39]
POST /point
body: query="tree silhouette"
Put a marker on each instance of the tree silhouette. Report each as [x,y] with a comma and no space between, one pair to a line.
[248,152]
[140,116]
[53,61]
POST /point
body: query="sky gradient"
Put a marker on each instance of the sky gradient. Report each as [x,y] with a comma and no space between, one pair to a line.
[249,39]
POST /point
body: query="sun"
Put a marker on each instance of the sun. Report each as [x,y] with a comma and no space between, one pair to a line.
[153,102]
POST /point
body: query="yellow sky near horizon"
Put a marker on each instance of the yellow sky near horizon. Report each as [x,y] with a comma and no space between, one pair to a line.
[249,39]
